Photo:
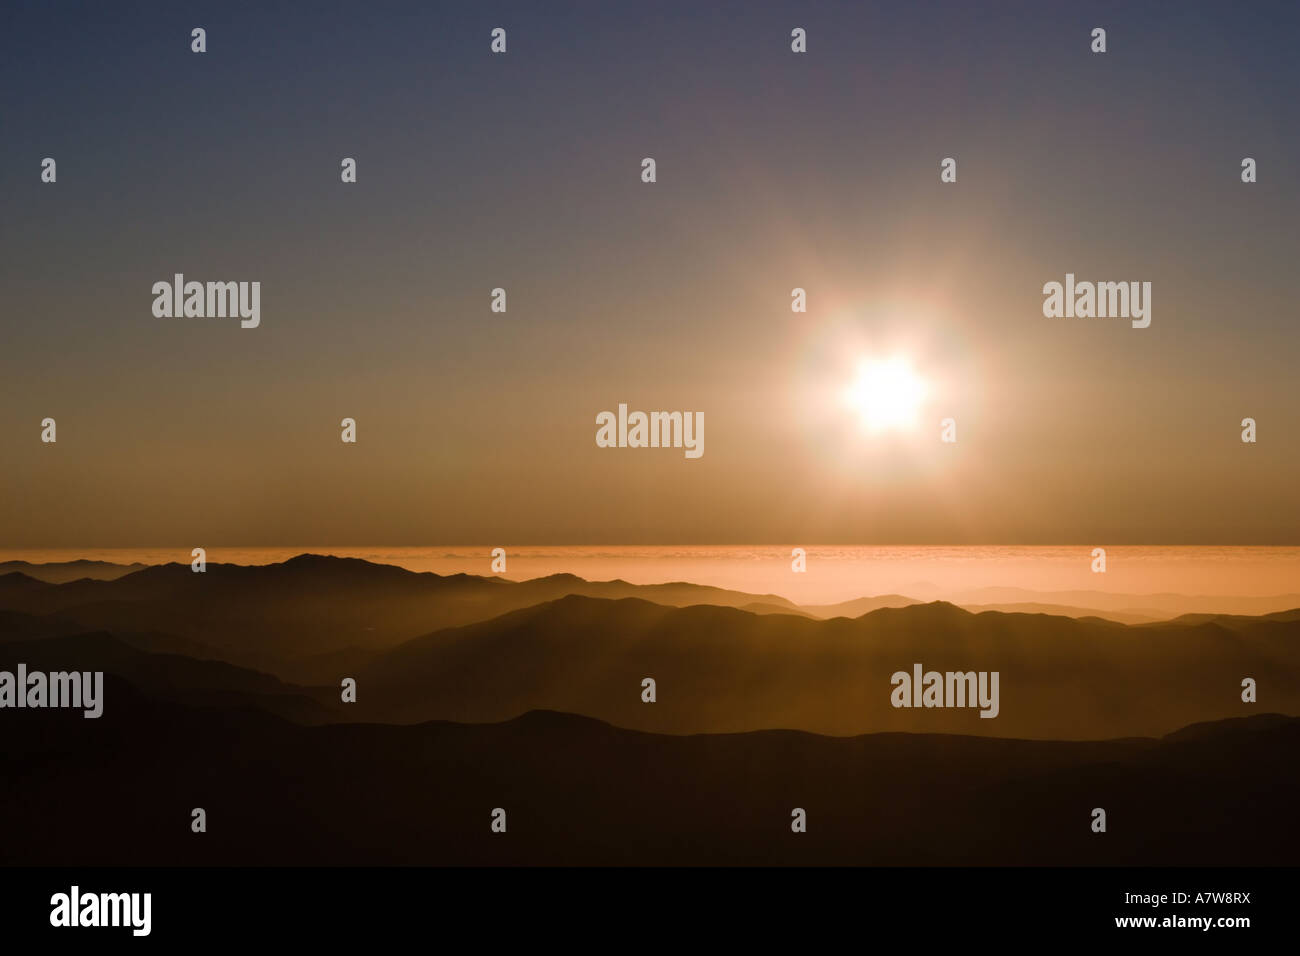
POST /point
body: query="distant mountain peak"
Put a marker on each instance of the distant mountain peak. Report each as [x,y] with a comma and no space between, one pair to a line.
[560,577]
[311,559]
[930,611]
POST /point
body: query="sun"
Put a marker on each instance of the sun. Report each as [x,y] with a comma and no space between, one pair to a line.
[887,394]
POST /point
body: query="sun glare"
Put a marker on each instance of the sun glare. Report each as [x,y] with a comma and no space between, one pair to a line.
[887,395]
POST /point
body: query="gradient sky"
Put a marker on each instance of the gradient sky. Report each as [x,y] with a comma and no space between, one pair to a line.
[522,171]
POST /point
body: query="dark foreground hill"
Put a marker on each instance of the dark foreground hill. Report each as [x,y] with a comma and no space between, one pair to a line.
[120,790]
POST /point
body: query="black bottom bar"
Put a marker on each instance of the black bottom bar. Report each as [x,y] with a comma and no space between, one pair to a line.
[658,906]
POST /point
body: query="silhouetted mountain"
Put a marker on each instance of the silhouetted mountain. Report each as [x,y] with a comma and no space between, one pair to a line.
[1238,620]
[1160,606]
[120,790]
[315,620]
[266,616]
[775,609]
[172,676]
[1063,610]
[15,626]
[14,585]
[723,670]
[859,606]
[58,572]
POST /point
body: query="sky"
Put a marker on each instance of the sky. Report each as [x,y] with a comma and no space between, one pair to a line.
[775,170]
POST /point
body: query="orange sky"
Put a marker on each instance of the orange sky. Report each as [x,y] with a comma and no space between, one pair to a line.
[775,171]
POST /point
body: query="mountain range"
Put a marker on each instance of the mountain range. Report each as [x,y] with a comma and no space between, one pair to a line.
[223,691]
[424,647]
